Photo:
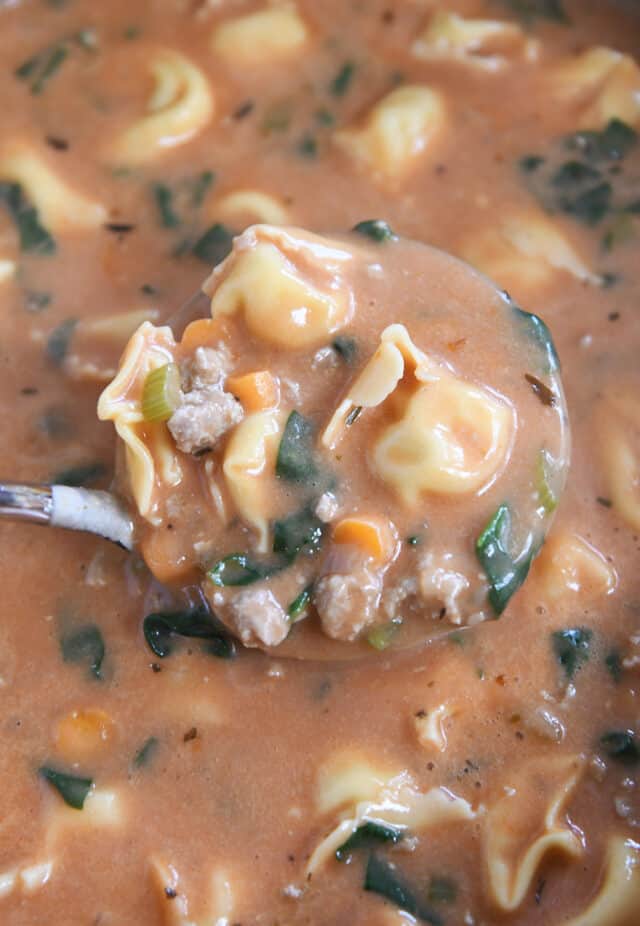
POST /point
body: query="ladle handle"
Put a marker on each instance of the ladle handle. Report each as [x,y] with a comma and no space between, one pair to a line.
[80,509]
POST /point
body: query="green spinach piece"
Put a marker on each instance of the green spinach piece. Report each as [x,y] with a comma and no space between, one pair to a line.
[80,475]
[342,81]
[531,10]
[367,835]
[504,572]
[382,878]
[39,69]
[300,532]
[621,746]
[308,147]
[147,751]
[613,664]
[296,460]
[161,626]
[34,237]
[59,340]
[36,301]
[442,890]
[239,569]
[300,603]
[84,645]
[214,245]
[72,789]
[376,229]
[572,648]
[163,197]
[345,347]
[530,162]
[612,143]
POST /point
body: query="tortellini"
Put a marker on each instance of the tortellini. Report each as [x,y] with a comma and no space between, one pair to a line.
[605,84]
[482,43]
[618,432]
[570,566]
[181,105]
[59,206]
[151,455]
[267,278]
[527,824]
[263,37]
[29,878]
[524,250]
[248,468]
[451,436]
[7,269]
[398,131]
[618,900]
[251,206]
[167,880]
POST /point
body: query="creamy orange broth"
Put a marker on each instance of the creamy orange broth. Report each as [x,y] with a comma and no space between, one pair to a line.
[259,758]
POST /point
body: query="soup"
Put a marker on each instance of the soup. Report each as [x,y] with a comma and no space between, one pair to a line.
[153,770]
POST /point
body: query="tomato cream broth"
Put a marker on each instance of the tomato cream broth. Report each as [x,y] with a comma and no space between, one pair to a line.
[352,427]
[217,786]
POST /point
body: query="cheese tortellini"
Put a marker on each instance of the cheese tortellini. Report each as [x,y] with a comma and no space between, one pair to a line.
[617,421]
[181,105]
[266,36]
[484,43]
[603,83]
[397,132]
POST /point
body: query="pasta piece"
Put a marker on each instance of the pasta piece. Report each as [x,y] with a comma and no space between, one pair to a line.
[267,36]
[618,429]
[603,82]
[348,779]
[399,804]
[251,206]
[97,343]
[268,277]
[484,43]
[618,900]
[430,726]
[7,269]
[249,469]
[30,878]
[168,883]
[451,437]
[150,454]
[527,824]
[524,251]
[181,105]
[396,134]
[59,206]
[568,565]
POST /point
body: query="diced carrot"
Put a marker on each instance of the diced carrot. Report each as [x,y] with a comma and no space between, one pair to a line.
[256,391]
[84,735]
[376,537]
[167,554]
[203,332]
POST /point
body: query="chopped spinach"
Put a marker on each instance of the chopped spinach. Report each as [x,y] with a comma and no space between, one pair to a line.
[571,648]
[79,475]
[37,301]
[307,146]
[382,635]
[325,117]
[163,197]
[342,81]
[376,229]
[368,835]
[530,10]
[382,878]
[300,603]
[345,347]
[530,162]
[238,569]
[60,339]
[442,890]
[214,245]
[160,626]
[612,143]
[39,69]
[72,789]
[621,746]
[145,754]
[296,461]
[299,532]
[200,186]
[84,645]
[505,572]
[34,237]
[613,664]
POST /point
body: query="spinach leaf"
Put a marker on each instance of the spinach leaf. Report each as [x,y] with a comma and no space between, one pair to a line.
[214,245]
[539,333]
[612,143]
[72,789]
[504,572]
[345,347]
[60,339]
[295,461]
[613,663]
[571,648]
[36,301]
[39,69]
[79,475]
[622,746]
[342,81]
[307,146]
[163,197]
[239,569]
[84,645]
[530,10]
[145,754]
[367,835]
[200,186]
[376,229]
[530,162]
[442,890]
[160,626]
[300,532]
[34,237]
[382,878]
[300,603]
